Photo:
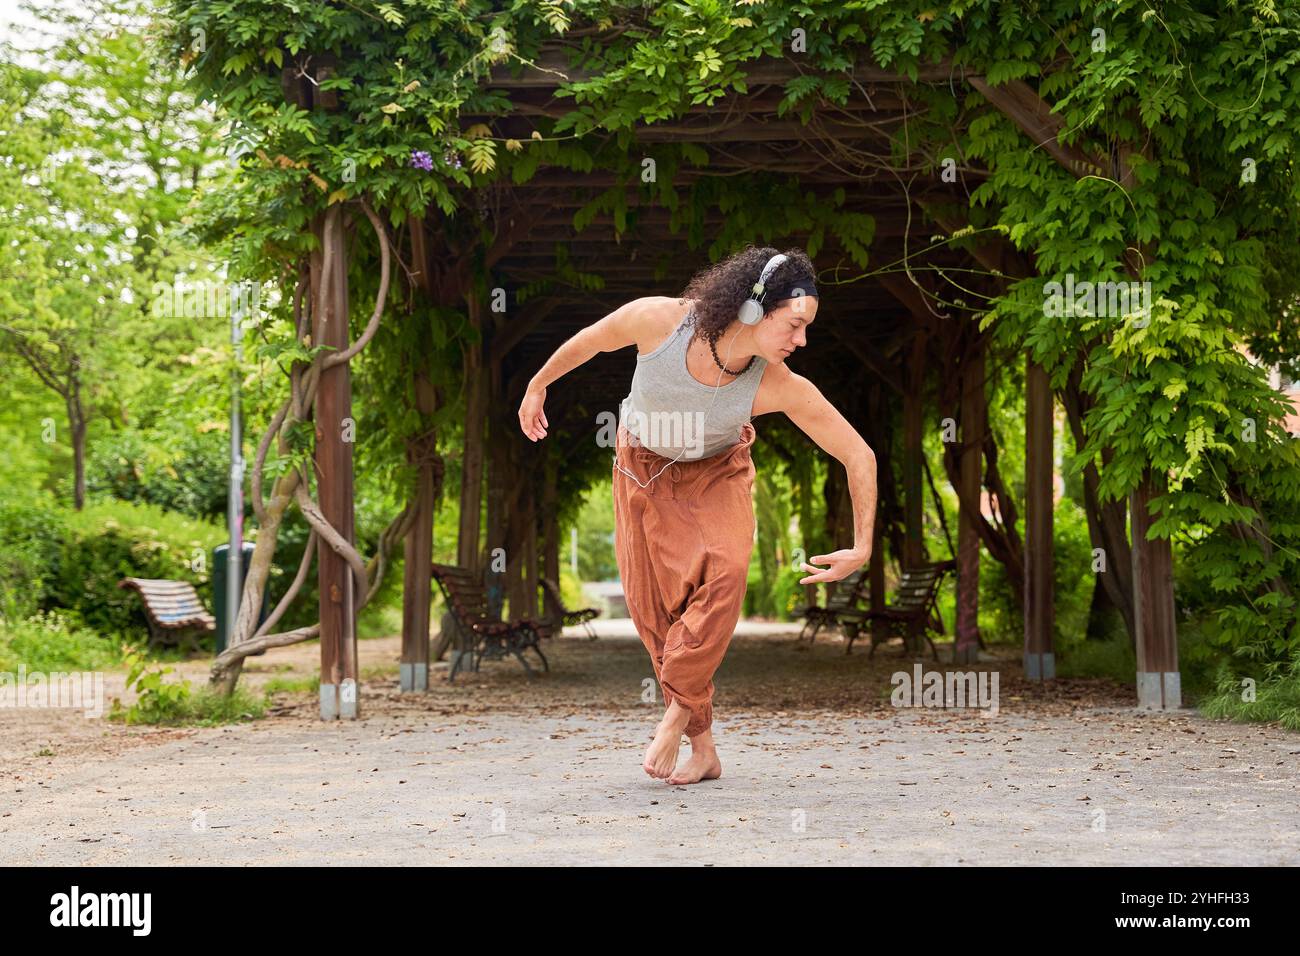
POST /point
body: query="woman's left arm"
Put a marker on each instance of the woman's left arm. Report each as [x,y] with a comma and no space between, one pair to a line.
[817,418]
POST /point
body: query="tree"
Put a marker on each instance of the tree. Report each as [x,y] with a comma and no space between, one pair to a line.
[102,154]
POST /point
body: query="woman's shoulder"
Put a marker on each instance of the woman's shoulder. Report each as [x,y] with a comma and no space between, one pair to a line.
[773,388]
[658,317]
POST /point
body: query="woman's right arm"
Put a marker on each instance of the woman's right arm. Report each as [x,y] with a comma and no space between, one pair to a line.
[619,329]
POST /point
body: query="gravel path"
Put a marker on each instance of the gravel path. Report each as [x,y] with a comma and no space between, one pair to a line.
[817,768]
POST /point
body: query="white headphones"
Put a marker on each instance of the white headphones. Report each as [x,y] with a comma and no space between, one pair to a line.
[751,312]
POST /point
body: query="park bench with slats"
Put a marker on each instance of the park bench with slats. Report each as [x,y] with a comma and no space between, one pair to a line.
[487,636]
[845,595]
[173,610]
[913,609]
[563,615]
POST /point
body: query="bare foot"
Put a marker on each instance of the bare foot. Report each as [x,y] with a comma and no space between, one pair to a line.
[661,755]
[701,766]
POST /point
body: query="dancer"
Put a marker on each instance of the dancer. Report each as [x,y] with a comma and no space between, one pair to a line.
[683,475]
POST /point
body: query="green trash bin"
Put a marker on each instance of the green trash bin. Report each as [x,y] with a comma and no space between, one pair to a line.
[219,588]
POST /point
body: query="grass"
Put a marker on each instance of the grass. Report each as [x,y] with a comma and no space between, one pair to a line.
[49,641]
[1113,659]
[1276,701]
[304,685]
[191,708]
[380,620]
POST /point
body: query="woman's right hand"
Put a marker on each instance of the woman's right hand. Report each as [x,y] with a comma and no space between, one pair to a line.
[532,419]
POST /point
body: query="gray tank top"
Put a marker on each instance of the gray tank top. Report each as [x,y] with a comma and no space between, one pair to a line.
[673,415]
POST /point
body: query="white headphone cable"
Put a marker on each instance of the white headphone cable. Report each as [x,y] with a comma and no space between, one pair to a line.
[716,388]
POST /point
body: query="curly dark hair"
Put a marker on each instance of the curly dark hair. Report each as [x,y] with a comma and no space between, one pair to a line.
[719,289]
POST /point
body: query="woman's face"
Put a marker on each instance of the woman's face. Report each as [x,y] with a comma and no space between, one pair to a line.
[784,329]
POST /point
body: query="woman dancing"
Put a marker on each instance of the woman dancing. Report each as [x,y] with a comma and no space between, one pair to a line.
[683,475]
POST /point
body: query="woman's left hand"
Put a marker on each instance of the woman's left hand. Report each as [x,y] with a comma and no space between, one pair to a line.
[842,564]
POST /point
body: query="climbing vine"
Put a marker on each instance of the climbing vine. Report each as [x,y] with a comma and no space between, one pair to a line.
[1175,165]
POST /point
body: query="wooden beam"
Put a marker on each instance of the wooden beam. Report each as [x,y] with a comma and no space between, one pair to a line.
[1018,101]
[534,314]
[871,357]
[919,303]
[542,103]
[552,69]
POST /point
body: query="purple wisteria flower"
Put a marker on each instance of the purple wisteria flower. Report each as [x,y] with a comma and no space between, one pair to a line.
[420,159]
[451,159]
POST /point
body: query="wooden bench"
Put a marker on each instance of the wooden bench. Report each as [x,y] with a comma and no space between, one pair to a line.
[173,610]
[845,595]
[913,609]
[484,635]
[563,615]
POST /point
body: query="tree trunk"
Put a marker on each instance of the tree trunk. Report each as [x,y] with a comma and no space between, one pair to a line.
[973,424]
[227,668]
[1107,523]
[77,431]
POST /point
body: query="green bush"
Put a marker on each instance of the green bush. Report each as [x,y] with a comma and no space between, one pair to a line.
[53,641]
[1073,577]
[772,591]
[55,558]
[186,473]
[116,540]
[32,537]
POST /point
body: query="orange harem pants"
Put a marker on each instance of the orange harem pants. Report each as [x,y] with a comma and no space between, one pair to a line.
[683,545]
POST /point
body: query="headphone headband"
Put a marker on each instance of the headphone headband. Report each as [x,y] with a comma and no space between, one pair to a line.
[761,284]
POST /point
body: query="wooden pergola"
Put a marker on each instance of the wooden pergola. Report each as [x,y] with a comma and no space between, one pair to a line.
[898,339]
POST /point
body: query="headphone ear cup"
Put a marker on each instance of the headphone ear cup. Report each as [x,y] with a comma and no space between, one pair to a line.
[750,312]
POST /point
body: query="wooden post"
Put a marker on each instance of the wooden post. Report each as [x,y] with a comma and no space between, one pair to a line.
[966,648]
[803,467]
[913,492]
[511,581]
[500,556]
[550,544]
[550,522]
[532,582]
[876,566]
[417,584]
[1159,684]
[471,485]
[876,575]
[1040,660]
[333,463]
[471,488]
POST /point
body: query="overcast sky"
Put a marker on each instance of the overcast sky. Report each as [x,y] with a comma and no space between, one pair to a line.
[20,29]
[16,25]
